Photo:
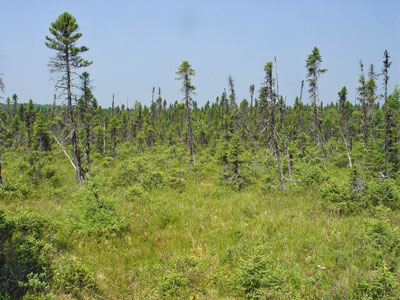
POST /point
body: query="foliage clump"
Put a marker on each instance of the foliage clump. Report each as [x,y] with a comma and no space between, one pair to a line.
[99,218]
[181,278]
[258,276]
[26,253]
[72,277]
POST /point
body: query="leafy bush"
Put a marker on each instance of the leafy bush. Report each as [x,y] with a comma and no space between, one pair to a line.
[385,192]
[382,284]
[99,216]
[337,196]
[381,239]
[180,278]
[257,276]
[176,183]
[135,191]
[25,255]
[313,175]
[152,180]
[72,277]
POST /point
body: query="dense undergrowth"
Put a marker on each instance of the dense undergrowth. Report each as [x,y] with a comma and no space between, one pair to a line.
[145,227]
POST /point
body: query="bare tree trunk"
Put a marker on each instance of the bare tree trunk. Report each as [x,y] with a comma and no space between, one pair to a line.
[62,148]
[347,148]
[319,129]
[1,177]
[386,66]
[300,121]
[88,148]
[189,120]
[104,136]
[386,137]
[275,143]
[73,124]
[281,114]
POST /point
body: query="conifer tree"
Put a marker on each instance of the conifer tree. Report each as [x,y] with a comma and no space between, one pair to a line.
[15,103]
[268,93]
[185,73]
[86,106]
[385,73]
[41,134]
[64,36]
[362,91]
[313,73]
[29,120]
[232,95]
[1,83]
[371,96]
[342,101]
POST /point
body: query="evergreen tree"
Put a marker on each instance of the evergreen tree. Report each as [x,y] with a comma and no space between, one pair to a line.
[68,58]
[29,120]
[343,132]
[313,73]
[268,93]
[40,133]
[185,73]
[385,73]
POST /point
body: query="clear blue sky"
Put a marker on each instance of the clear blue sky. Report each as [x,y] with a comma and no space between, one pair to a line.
[136,45]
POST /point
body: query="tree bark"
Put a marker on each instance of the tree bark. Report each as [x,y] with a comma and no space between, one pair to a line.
[74,141]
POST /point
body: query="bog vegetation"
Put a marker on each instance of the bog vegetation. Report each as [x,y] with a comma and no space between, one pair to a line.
[249,199]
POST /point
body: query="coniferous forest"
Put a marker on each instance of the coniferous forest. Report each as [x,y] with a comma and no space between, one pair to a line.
[236,199]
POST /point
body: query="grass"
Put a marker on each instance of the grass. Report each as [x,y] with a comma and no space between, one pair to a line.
[191,243]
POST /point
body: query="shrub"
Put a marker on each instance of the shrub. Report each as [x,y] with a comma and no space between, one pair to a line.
[135,191]
[152,180]
[381,239]
[25,255]
[382,284]
[257,276]
[72,277]
[99,216]
[180,279]
[176,183]
[337,196]
[313,175]
[384,192]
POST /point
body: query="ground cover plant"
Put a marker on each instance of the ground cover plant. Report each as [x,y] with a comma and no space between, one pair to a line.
[249,200]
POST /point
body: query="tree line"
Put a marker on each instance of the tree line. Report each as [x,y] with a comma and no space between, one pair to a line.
[363,133]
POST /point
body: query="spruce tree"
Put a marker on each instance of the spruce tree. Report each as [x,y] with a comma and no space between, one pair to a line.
[313,63]
[185,73]
[385,73]
[64,36]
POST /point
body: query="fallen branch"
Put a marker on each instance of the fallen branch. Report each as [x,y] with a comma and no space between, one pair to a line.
[62,148]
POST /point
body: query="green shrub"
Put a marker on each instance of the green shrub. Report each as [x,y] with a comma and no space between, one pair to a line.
[25,255]
[381,239]
[382,284]
[135,191]
[99,216]
[385,192]
[313,175]
[176,183]
[180,279]
[72,277]
[337,196]
[257,276]
[152,180]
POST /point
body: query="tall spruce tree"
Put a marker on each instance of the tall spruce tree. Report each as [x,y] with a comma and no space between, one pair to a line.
[185,73]
[342,101]
[64,36]
[385,73]
[268,93]
[313,63]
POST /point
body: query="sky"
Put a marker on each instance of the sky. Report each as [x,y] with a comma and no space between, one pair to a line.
[135,45]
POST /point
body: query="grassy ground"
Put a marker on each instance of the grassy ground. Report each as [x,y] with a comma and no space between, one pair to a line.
[206,241]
